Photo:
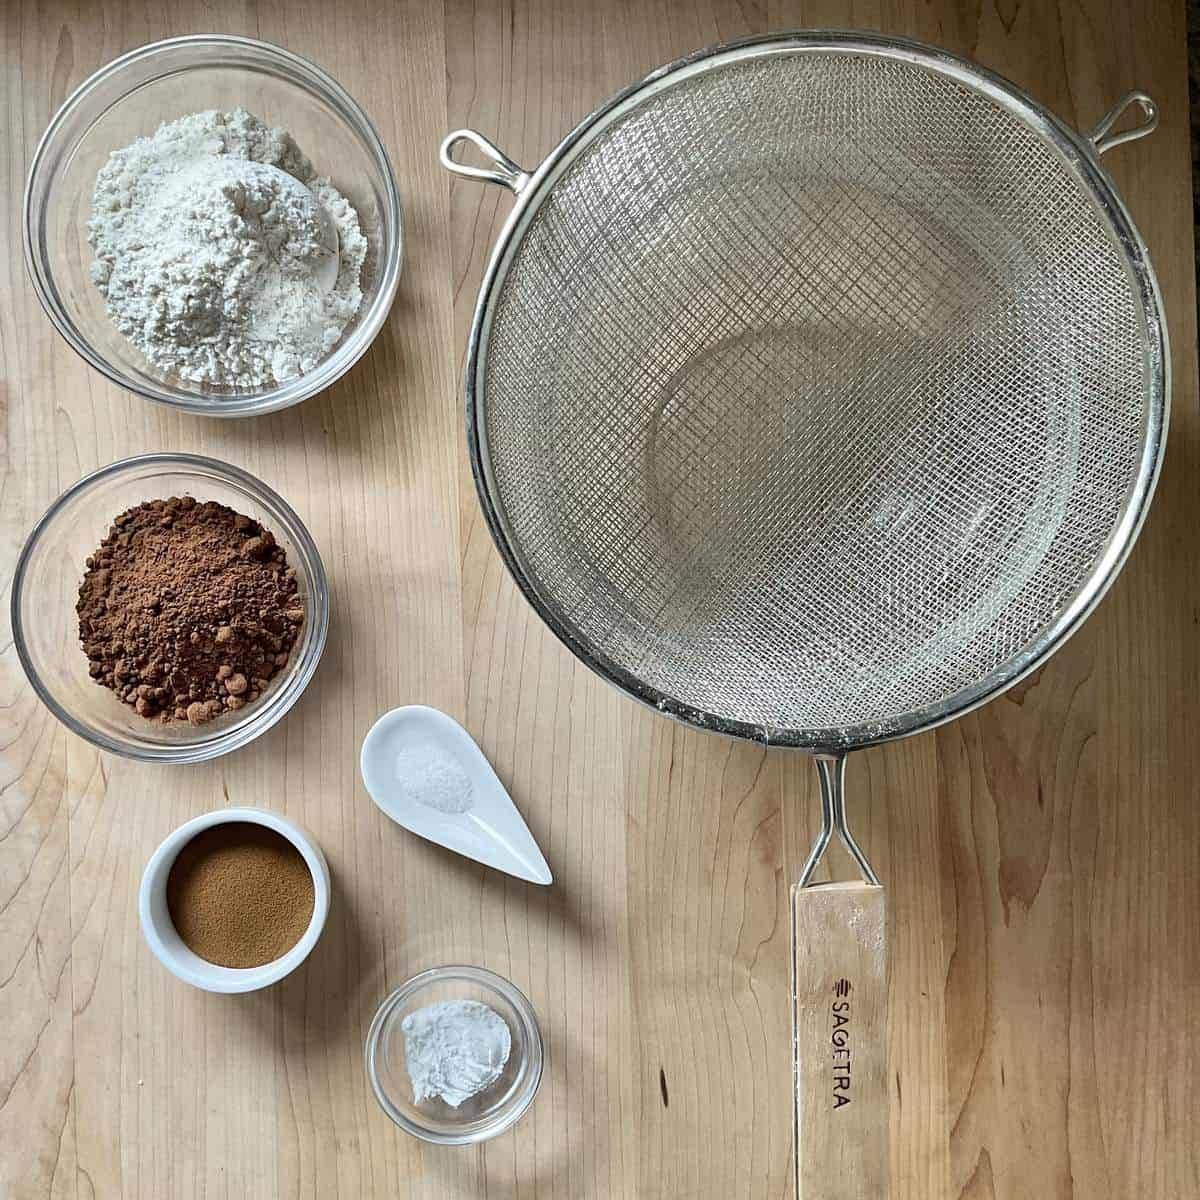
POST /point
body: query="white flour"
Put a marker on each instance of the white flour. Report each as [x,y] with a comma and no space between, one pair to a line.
[425,775]
[222,255]
[454,1050]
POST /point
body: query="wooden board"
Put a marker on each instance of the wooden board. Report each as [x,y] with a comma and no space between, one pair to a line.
[1042,857]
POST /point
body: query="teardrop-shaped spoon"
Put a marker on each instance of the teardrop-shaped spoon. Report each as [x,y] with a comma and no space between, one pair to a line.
[424,770]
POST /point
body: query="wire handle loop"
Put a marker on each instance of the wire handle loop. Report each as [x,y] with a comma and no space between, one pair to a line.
[503,170]
[831,769]
[1102,141]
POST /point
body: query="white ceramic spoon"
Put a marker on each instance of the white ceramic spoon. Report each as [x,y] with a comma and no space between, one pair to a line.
[491,831]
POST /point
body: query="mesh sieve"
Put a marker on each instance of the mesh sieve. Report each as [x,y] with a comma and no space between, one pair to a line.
[817,387]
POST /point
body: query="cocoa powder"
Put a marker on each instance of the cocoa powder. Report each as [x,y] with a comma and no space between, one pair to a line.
[187,609]
[240,895]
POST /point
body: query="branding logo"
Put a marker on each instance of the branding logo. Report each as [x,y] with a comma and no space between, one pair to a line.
[840,1039]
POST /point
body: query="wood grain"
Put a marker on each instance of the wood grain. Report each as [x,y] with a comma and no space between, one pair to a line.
[1042,857]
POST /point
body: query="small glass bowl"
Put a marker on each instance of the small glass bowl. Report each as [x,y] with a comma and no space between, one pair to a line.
[46,588]
[490,1112]
[130,98]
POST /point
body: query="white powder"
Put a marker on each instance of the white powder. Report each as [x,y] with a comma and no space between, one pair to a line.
[426,775]
[221,254]
[454,1049]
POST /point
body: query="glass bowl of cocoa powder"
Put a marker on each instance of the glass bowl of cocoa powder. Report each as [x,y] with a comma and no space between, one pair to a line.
[160,664]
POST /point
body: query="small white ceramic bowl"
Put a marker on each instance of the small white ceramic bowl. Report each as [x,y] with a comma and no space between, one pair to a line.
[162,937]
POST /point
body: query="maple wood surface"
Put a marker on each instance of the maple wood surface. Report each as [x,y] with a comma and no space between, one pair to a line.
[1041,856]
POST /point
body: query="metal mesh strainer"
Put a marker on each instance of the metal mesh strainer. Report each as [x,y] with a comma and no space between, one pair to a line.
[817,387]
[816,392]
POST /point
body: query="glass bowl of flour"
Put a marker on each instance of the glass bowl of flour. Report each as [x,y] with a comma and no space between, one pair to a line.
[454,1055]
[212,223]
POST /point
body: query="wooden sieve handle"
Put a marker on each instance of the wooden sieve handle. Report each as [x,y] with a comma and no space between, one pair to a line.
[839,1003]
[839,950]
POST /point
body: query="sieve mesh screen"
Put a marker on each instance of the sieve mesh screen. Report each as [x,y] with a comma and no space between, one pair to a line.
[815,389]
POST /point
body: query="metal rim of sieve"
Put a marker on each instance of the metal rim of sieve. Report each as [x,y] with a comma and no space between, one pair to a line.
[1078,152]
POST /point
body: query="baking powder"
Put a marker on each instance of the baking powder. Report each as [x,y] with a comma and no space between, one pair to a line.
[455,1049]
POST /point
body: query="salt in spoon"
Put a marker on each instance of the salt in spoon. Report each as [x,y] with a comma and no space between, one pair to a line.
[490,830]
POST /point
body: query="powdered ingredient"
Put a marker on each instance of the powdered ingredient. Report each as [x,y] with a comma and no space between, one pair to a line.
[187,610]
[221,253]
[454,1050]
[426,775]
[240,895]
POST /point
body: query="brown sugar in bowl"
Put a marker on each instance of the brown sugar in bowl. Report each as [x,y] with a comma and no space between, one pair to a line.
[173,952]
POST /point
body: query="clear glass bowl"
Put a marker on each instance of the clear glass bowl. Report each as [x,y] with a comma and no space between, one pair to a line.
[131,97]
[46,587]
[490,1112]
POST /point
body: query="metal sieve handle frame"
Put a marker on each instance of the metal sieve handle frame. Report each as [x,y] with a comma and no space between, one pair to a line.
[514,178]
[831,770]
[503,170]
